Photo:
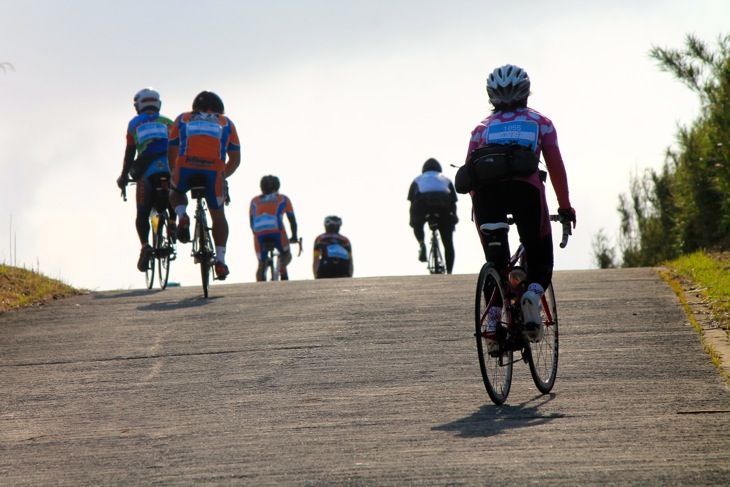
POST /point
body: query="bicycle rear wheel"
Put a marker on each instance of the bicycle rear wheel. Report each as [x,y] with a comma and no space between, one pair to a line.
[205,253]
[435,259]
[495,360]
[149,275]
[163,252]
[543,354]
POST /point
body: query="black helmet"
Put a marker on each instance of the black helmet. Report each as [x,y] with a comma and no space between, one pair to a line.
[269,184]
[207,100]
[332,223]
[431,165]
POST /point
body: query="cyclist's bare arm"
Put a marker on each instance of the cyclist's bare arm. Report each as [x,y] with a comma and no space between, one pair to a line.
[172,153]
[234,160]
[293,225]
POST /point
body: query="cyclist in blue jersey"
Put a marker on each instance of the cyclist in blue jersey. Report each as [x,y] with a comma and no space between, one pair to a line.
[145,159]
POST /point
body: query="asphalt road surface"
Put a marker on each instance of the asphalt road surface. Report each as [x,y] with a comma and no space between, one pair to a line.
[369,381]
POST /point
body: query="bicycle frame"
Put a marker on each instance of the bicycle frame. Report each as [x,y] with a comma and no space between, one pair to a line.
[435,257]
[203,252]
[163,246]
[500,325]
[272,262]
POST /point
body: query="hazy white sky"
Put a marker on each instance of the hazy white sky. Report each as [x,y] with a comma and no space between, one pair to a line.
[343,100]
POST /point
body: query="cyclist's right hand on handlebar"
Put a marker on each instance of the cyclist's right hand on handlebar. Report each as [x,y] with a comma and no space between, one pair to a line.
[122,181]
[567,215]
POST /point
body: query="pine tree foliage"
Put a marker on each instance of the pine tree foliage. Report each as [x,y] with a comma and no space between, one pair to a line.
[685,206]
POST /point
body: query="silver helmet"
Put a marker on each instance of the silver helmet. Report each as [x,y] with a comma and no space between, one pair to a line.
[508,84]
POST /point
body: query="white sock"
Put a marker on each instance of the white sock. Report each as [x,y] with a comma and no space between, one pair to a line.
[220,253]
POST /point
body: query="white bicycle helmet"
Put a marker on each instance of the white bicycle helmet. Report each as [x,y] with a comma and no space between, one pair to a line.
[508,84]
[147,98]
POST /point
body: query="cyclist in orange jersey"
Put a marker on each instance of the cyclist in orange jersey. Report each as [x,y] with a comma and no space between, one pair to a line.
[200,140]
[266,217]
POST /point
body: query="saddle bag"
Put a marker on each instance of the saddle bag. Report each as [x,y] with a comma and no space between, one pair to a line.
[493,163]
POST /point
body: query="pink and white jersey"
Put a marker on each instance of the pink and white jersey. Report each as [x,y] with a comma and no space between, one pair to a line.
[528,128]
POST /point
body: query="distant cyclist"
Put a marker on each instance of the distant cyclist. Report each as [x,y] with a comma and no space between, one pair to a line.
[266,215]
[144,159]
[527,133]
[200,140]
[434,193]
[332,252]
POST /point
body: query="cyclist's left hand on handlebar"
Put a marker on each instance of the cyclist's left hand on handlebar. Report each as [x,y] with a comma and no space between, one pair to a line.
[567,215]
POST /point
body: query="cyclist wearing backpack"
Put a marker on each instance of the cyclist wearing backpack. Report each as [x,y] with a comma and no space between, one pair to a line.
[501,173]
[332,252]
[433,193]
[266,216]
[145,158]
[200,140]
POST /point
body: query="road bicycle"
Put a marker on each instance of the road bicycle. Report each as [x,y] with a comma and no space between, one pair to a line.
[203,251]
[272,262]
[435,256]
[498,291]
[163,240]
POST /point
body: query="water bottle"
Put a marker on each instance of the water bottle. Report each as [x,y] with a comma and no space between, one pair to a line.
[517,277]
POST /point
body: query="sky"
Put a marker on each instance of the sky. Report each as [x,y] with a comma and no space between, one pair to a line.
[342,100]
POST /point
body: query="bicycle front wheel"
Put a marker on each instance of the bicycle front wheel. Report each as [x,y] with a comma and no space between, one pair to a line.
[495,360]
[163,252]
[543,354]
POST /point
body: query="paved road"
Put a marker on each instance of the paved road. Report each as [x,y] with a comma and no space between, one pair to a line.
[370,381]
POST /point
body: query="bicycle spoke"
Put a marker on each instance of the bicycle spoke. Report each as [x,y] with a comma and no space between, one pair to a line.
[495,360]
[543,355]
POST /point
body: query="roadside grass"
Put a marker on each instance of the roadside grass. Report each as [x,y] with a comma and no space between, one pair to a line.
[710,273]
[707,276]
[22,288]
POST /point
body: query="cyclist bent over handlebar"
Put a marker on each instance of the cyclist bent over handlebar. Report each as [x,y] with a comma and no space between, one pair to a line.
[200,140]
[521,133]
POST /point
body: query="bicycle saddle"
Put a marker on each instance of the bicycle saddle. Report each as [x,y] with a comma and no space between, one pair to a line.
[491,227]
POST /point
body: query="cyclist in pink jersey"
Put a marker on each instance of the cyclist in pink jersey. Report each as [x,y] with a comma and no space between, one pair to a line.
[200,140]
[512,123]
[266,216]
